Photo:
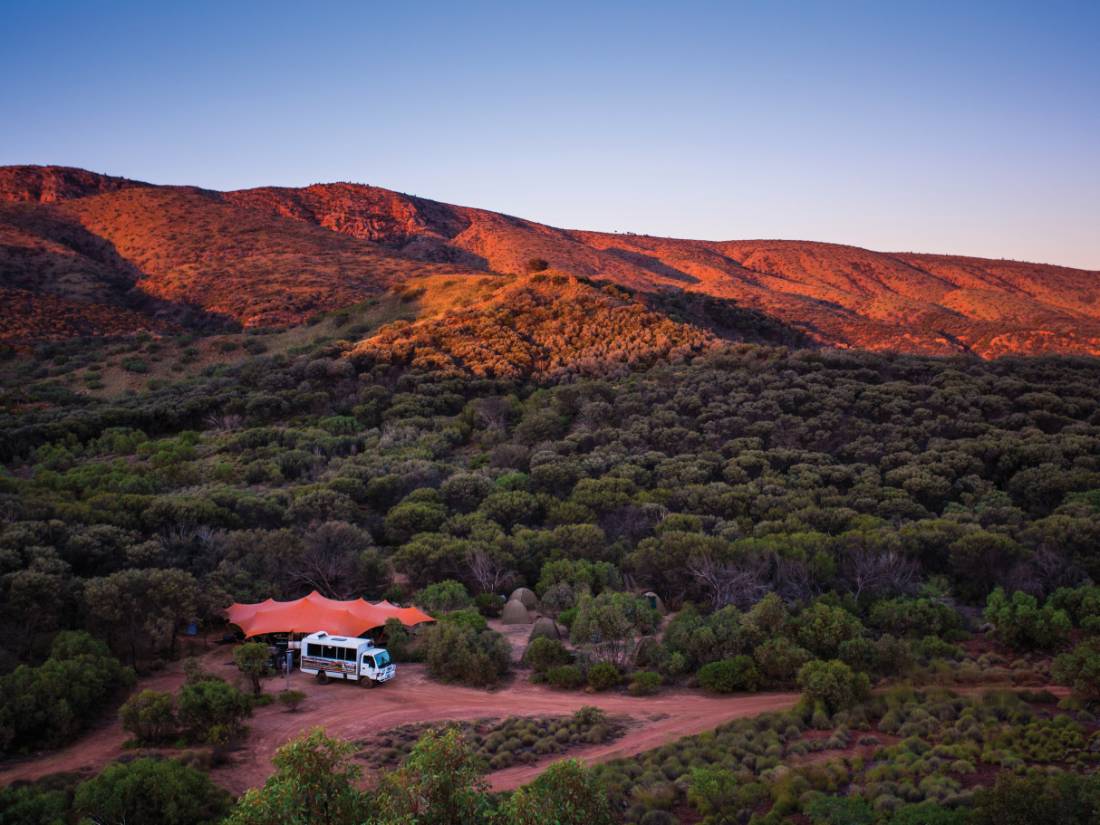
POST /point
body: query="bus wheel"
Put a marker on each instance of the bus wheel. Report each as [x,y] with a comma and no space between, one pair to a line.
[367,682]
[322,678]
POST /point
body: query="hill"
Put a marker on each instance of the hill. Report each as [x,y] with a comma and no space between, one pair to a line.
[277,256]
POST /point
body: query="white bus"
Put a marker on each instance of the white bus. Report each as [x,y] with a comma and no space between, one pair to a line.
[345,657]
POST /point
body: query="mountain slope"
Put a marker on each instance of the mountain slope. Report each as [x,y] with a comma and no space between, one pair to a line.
[275,256]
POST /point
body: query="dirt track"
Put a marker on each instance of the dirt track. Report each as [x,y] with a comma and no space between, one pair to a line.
[352,712]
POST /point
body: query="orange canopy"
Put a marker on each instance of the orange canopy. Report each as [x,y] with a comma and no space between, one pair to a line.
[316,612]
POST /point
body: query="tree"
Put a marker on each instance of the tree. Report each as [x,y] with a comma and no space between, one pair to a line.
[833,684]
[543,653]
[151,792]
[608,624]
[210,710]
[443,597]
[822,628]
[537,265]
[254,661]
[1080,669]
[144,608]
[729,675]
[740,582]
[566,793]
[316,782]
[1021,624]
[44,706]
[457,652]
[150,716]
[439,784]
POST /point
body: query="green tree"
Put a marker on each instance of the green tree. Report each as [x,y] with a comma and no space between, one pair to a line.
[253,659]
[150,716]
[1080,670]
[822,628]
[144,608]
[316,782]
[566,793]
[151,792]
[1020,623]
[439,784]
[729,675]
[609,624]
[443,596]
[211,710]
[832,684]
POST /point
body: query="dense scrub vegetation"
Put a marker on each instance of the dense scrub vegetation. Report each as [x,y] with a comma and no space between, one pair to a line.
[501,743]
[904,757]
[818,520]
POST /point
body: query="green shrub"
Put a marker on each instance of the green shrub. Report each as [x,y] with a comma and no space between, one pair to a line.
[543,654]
[603,676]
[291,699]
[150,716]
[645,683]
[730,675]
[151,792]
[456,652]
[566,677]
[832,684]
[443,597]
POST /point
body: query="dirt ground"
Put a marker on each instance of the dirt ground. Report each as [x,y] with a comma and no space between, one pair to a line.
[352,712]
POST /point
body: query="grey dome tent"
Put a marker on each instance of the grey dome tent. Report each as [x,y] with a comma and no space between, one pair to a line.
[527,597]
[515,613]
[545,626]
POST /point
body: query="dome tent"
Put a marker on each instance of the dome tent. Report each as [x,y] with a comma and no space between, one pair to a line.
[526,597]
[515,613]
[545,626]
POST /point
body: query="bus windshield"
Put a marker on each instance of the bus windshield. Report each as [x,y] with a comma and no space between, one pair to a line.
[382,658]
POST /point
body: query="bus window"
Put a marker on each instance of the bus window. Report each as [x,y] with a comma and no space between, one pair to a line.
[313,650]
[347,654]
[368,660]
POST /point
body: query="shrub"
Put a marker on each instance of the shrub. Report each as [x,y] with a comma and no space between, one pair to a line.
[443,597]
[645,683]
[291,699]
[456,652]
[150,716]
[1080,670]
[543,654]
[134,365]
[566,677]
[603,676]
[729,675]
[212,710]
[1021,624]
[833,684]
[44,706]
[566,793]
[489,604]
[151,792]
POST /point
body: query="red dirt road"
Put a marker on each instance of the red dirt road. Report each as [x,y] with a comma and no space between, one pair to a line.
[351,712]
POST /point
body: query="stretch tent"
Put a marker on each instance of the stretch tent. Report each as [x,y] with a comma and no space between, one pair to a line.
[316,612]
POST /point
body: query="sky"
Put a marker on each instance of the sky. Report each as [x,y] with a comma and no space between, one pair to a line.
[966,128]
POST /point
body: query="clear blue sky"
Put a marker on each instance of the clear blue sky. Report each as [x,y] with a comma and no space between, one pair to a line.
[968,128]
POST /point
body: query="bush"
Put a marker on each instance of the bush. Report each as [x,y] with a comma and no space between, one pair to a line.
[151,792]
[566,677]
[1021,624]
[443,597]
[645,683]
[45,706]
[489,604]
[543,654]
[1080,670]
[603,676]
[832,684]
[150,716]
[211,710]
[456,652]
[291,699]
[729,675]
[566,793]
